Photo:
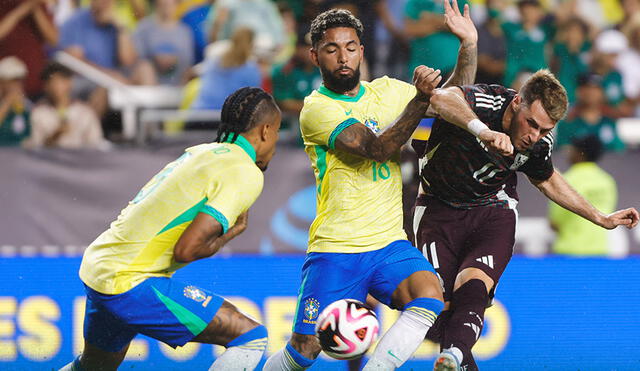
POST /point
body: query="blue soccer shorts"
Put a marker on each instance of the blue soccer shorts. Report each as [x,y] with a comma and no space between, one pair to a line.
[327,277]
[162,308]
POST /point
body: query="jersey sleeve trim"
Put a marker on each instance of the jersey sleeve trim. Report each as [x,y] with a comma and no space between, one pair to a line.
[218,216]
[343,125]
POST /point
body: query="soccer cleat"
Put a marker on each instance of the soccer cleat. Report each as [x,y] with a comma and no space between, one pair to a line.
[446,361]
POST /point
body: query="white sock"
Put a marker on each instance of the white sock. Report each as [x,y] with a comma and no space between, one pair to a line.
[237,358]
[400,342]
[280,362]
[287,359]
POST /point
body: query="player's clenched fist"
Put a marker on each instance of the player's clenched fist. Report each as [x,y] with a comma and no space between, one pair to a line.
[627,217]
[426,80]
[496,141]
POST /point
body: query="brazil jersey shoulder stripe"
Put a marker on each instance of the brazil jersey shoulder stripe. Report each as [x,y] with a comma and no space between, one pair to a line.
[359,201]
[219,179]
[343,125]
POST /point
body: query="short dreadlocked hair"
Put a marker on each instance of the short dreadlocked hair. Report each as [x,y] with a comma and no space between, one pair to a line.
[331,19]
[242,110]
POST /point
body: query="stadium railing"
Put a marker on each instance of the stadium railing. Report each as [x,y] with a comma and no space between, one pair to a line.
[141,106]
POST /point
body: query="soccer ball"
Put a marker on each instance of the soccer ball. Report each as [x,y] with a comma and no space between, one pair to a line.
[347,328]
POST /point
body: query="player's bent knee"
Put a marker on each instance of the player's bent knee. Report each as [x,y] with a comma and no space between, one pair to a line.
[469,274]
[424,284]
[432,289]
[94,358]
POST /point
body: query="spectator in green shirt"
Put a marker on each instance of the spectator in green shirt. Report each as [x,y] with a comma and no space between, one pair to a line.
[294,80]
[527,40]
[577,236]
[588,118]
[431,43]
[608,45]
[14,107]
[570,54]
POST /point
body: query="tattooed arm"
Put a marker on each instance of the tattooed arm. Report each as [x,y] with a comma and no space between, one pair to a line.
[462,26]
[465,71]
[359,140]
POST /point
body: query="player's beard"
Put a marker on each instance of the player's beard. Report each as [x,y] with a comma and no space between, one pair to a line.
[340,84]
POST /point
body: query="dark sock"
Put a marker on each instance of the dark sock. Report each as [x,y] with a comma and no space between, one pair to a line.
[436,331]
[465,324]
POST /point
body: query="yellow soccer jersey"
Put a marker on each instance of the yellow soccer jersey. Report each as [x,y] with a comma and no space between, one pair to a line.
[220,179]
[359,201]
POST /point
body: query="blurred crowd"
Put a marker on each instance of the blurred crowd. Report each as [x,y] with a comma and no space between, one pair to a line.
[209,48]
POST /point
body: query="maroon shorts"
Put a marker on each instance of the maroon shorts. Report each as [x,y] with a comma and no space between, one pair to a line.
[454,239]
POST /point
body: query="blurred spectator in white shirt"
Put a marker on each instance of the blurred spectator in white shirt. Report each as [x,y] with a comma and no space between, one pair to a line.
[58,120]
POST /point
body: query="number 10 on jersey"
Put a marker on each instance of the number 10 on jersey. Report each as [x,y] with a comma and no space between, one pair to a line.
[380,171]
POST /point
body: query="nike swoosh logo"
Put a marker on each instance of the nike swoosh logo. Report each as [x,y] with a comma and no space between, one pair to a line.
[393,355]
[348,112]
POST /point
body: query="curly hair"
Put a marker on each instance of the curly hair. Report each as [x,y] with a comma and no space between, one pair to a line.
[544,86]
[331,19]
[242,110]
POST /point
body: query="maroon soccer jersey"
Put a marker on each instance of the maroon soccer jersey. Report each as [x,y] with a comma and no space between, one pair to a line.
[458,169]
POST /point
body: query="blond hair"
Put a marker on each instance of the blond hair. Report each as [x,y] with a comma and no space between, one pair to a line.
[240,50]
[544,86]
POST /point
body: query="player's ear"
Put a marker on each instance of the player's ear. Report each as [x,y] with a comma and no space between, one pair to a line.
[516,101]
[314,56]
[264,132]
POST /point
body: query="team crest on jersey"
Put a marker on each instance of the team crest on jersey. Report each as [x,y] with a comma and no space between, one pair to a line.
[195,293]
[311,308]
[373,125]
[520,159]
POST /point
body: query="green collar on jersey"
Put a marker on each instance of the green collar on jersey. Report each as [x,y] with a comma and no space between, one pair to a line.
[333,95]
[243,143]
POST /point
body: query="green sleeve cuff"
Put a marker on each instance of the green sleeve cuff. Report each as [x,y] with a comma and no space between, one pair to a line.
[334,134]
[218,216]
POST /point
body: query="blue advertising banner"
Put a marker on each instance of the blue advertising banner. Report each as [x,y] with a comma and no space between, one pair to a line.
[551,314]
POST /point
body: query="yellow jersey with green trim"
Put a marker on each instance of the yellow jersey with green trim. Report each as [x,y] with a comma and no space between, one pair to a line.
[220,179]
[359,201]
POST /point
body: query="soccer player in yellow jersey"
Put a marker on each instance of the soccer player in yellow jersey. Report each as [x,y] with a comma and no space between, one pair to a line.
[188,211]
[353,132]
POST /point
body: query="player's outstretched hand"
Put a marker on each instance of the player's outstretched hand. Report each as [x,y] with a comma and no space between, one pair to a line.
[426,80]
[627,217]
[240,226]
[459,24]
[496,142]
